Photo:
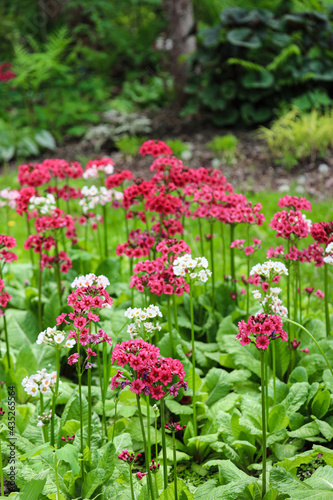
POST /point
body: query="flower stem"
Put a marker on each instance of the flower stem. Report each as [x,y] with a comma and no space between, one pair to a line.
[313,339]
[105,231]
[57,272]
[1,473]
[263,408]
[105,386]
[170,327]
[174,464]
[148,429]
[44,428]
[131,483]
[7,340]
[89,408]
[40,278]
[193,364]
[150,482]
[212,260]
[274,371]
[175,312]
[165,465]
[156,445]
[56,476]
[232,256]
[115,418]
[55,395]
[101,383]
[327,316]
[31,250]
[223,249]
[79,374]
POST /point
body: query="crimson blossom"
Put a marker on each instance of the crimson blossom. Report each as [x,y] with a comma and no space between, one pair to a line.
[6,242]
[260,330]
[150,374]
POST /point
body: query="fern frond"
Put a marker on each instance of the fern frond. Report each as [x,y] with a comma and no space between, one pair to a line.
[246,64]
[283,56]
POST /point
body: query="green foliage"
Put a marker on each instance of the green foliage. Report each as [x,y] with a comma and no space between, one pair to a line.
[253,60]
[129,146]
[297,136]
[224,147]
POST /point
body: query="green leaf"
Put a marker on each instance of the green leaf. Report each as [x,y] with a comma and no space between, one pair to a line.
[92,480]
[277,418]
[35,486]
[72,411]
[244,37]
[321,403]
[325,429]
[69,454]
[296,397]
[177,408]
[299,374]
[307,430]
[183,492]
[37,451]
[283,481]
[217,384]
[322,478]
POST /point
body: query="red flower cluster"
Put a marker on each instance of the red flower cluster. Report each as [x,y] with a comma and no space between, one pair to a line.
[175,426]
[289,223]
[249,249]
[33,174]
[63,169]
[158,278]
[118,178]
[128,456]
[7,242]
[295,203]
[155,148]
[151,374]
[66,192]
[22,201]
[322,232]
[57,220]
[138,244]
[4,297]
[6,74]
[262,328]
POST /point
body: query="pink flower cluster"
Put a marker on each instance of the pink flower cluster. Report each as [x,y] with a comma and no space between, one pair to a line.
[322,232]
[6,74]
[249,249]
[175,426]
[7,242]
[128,456]
[295,203]
[261,330]
[151,374]
[289,223]
[155,148]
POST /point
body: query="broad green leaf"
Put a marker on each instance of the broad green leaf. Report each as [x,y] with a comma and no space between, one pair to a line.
[45,139]
[307,430]
[217,384]
[33,489]
[177,408]
[72,411]
[107,459]
[283,481]
[322,478]
[37,451]
[325,429]
[296,397]
[298,375]
[69,454]
[183,492]
[277,418]
[321,403]
[92,480]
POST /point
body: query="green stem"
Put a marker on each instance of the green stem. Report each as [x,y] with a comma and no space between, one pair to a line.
[148,429]
[89,408]
[274,371]
[55,395]
[156,445]
[1,473]
[165,465]
[31,250]
[7,340]
[40,281]
[115,418]
[105,231]
[79,374]
[105,386]
[56,476]
[44,428]
[212,260]
[101,383]
[174,465]
[175,312]
[57,272]
[201,237]
[131,482]
[193,365]
[170,327]
[150,482]
[313,339]
[327,316]
[223,250]
[232,256]
[263,408]
[156,485]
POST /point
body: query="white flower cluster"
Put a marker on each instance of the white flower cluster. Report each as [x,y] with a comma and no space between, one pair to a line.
[90,280]
[329,254]
[44,419]
[271,301]
[269,269]
[41,381]
[140,325]
[94,170]
[53,337]
[195,268]
[44,204]
[8,197]
[92,197]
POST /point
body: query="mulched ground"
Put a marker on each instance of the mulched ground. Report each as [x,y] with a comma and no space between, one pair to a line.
[253,171]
